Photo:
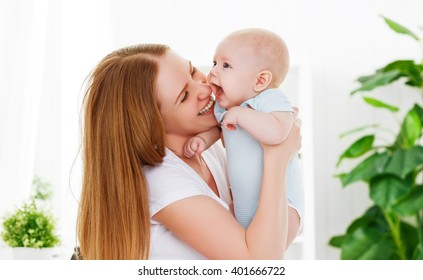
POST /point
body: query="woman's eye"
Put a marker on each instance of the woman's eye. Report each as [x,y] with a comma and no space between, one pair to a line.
[225,65]
[194,70]
[185,97]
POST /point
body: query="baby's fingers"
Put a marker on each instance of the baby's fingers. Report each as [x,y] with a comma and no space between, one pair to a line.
[188,151]
[200,148]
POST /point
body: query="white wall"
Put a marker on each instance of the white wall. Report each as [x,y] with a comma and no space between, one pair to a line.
[342,40]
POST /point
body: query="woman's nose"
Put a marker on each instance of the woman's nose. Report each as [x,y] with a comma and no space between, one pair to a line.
[204,91]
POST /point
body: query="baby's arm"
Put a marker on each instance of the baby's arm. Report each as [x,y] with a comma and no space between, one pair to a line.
[201,142]
[267,128]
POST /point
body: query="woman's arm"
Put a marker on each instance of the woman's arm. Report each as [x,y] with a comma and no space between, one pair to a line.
[268,128]
[210,229]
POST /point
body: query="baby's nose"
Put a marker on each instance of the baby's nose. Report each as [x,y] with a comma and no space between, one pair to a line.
[213,72]
[212,76]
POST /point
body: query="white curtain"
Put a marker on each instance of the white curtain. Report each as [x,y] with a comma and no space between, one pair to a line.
[22,52]
[47,48]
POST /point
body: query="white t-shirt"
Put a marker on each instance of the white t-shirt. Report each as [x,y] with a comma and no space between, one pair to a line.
[174,180]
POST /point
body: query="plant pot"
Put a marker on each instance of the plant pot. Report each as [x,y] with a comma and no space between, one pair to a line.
[25,253]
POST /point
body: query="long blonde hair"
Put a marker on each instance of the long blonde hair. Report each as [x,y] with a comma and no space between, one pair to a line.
[123,131]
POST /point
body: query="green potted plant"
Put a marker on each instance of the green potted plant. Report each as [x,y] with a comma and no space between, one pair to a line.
[391,228]
[30,230]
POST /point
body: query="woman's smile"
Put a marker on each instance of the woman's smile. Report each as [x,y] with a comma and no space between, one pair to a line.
[208,108]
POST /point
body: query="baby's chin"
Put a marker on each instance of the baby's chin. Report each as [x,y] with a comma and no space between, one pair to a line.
[224,104]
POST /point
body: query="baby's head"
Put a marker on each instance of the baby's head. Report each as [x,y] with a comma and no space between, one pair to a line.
[247,62]
[270,51]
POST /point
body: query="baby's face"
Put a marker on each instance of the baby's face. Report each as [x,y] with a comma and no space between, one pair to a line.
[234,72]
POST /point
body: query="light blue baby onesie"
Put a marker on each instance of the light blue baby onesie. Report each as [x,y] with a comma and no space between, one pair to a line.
[245,160]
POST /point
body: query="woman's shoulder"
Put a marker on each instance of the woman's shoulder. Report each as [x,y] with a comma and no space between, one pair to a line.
[170,165]
[170,181]
[172,173]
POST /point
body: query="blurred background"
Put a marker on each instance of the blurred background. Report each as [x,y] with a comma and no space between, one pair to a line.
[47,48]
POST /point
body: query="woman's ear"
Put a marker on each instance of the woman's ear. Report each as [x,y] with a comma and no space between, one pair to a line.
[262,81]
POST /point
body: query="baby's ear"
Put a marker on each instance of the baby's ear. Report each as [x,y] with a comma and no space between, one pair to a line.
[263,79]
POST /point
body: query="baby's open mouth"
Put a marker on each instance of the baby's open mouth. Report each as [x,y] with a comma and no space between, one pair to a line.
[207,108]
[219,91]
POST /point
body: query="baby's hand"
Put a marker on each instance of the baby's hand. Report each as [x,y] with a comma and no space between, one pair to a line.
[231,118]
[195,145]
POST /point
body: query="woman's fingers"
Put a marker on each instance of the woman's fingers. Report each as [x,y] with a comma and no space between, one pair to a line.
[298,122]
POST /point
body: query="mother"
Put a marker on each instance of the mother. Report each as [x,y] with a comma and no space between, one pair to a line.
[141,198]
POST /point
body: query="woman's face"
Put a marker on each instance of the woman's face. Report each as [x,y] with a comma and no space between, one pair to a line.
[185,100]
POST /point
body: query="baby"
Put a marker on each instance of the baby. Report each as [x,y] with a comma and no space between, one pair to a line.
[248,68]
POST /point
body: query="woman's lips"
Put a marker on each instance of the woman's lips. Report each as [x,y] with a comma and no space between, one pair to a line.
[208,108]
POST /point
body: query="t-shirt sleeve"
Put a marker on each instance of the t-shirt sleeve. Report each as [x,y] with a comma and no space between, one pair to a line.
[219,112]
[167,186]
[271,101]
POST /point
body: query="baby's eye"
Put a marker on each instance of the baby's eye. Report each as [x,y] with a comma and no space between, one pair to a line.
[225,65]
[214,63]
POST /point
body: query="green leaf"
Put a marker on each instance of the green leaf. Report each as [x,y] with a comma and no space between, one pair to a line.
[419,111]
[418,253]
[386,189]
[378,79]
[411,128]
[357,130]
[370,167]
[403,162]
[400,29]
[364,79]
[336,241]
[367,244]
[411,203]
[408,69]
[379,104]
[360,222]
[409,238]
[372,217]
[30,227]
[358,148]
[41,190]
[404,68]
